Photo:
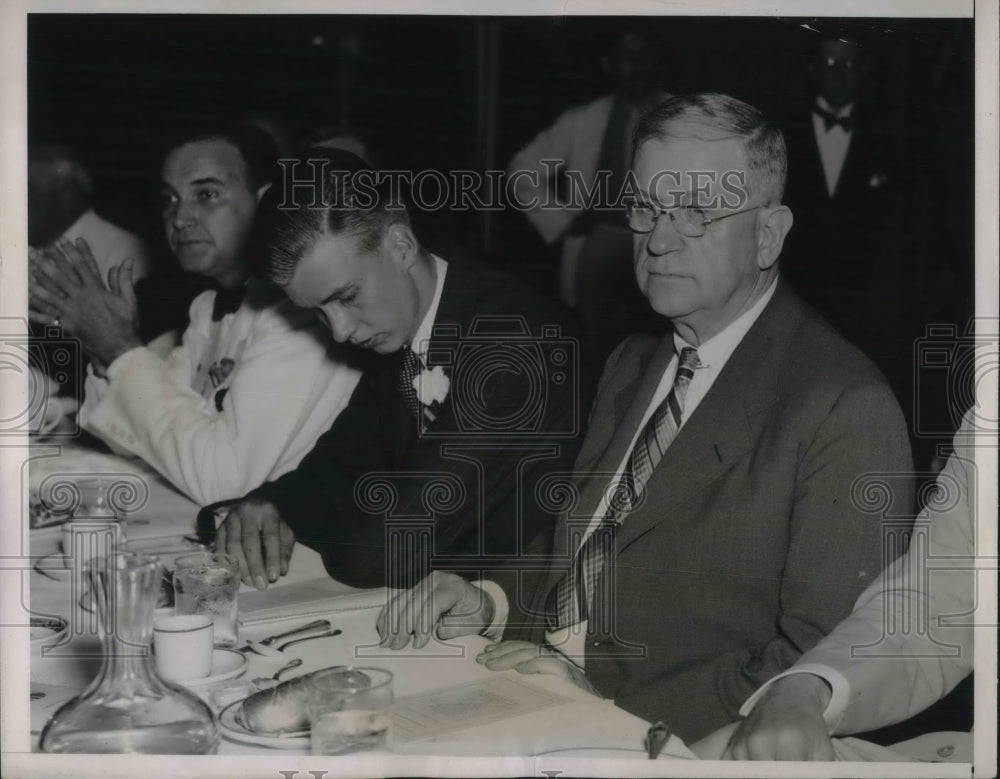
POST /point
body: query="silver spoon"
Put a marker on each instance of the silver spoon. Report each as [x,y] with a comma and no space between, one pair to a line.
[263,647]
[328,634]
[270,651]
[295,663]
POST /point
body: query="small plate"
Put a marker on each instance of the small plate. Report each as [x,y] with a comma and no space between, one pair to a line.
[234,730]
[226,664]
[606,753]
[46,629]
[53,567]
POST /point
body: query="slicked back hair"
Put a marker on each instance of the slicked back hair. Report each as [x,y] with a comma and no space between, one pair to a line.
[322,192]
[255,146]
[712,116]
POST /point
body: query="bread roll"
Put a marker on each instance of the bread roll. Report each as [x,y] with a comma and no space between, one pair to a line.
[284,708]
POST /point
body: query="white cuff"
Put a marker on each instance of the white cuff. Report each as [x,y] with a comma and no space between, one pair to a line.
[501,609]
[840,691]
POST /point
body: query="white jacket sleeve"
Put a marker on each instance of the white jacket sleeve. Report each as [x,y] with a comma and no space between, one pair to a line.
[574,140]
[283,393]
[909,640]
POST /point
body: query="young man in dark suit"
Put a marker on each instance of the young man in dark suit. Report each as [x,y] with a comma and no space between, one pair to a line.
[473,398]
[723,519]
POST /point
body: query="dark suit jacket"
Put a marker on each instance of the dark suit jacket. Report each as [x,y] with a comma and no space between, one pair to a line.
[842,252]
[756,533]
[384,505]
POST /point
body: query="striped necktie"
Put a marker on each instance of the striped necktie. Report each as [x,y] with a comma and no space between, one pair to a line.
[568,602]
[408,371]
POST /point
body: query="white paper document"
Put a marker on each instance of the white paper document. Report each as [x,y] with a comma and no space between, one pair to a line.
[433,714]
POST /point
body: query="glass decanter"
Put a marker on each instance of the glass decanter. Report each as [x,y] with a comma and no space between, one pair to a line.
[128,708]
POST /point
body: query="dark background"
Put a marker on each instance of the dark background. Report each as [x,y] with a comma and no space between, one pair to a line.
[409,87]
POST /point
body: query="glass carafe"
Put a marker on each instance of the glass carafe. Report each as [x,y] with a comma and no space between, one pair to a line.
[128,707]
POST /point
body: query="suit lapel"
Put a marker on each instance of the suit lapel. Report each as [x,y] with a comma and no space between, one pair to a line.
[458,304]
[719,432]
[630,403]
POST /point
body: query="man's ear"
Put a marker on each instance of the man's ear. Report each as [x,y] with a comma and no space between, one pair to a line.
[262,189]
[401,241]
[772,227]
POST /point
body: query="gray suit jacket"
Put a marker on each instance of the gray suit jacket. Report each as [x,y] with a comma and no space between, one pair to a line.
[759,528]
[909,640]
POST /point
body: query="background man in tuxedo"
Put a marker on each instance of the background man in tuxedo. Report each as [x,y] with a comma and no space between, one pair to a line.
[847,189]
[718,532]
[473,395]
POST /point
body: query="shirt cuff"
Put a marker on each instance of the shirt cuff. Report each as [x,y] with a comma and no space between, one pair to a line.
[501,608]
[840,691]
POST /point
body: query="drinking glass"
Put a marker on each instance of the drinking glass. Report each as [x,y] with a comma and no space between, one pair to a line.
[350,710]
[209,583]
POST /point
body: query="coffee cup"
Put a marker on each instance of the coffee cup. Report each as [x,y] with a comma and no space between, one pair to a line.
[183,646]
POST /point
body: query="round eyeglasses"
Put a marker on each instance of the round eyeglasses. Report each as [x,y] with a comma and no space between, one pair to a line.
[689,221]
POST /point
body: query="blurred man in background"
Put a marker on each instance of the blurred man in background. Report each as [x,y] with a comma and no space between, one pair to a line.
[591,146]
[60,207]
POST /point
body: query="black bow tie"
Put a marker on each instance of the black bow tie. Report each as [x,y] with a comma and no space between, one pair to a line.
[830,121]
[227,301]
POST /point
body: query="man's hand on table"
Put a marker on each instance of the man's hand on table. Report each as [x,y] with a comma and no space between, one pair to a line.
[255,534]
[67,289]
[418,611]
[786,723]
[528,658]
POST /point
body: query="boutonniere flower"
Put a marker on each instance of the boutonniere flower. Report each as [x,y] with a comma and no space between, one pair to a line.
[431,386]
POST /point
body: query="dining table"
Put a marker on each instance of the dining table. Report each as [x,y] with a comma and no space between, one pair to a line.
[447,706]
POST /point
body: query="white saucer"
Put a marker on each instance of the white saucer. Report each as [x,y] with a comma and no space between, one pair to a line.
[46,630]
[606,753]
[226,664]
[234,730]
[53,567]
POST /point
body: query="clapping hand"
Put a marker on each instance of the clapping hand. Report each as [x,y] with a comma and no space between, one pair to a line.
[67,291]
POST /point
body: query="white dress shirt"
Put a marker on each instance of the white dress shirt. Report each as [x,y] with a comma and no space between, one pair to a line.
[713,355]
[833,143]
[422,338]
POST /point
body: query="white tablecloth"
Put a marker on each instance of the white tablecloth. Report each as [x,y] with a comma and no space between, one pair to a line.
[582,722]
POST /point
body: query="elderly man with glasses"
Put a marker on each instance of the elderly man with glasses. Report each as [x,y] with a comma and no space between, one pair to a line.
[724,518]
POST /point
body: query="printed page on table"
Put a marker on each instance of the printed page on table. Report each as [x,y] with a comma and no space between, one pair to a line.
[437,713]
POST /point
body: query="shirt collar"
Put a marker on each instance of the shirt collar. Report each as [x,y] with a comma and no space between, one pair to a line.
[716,350]
[840,113]
[422,338]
